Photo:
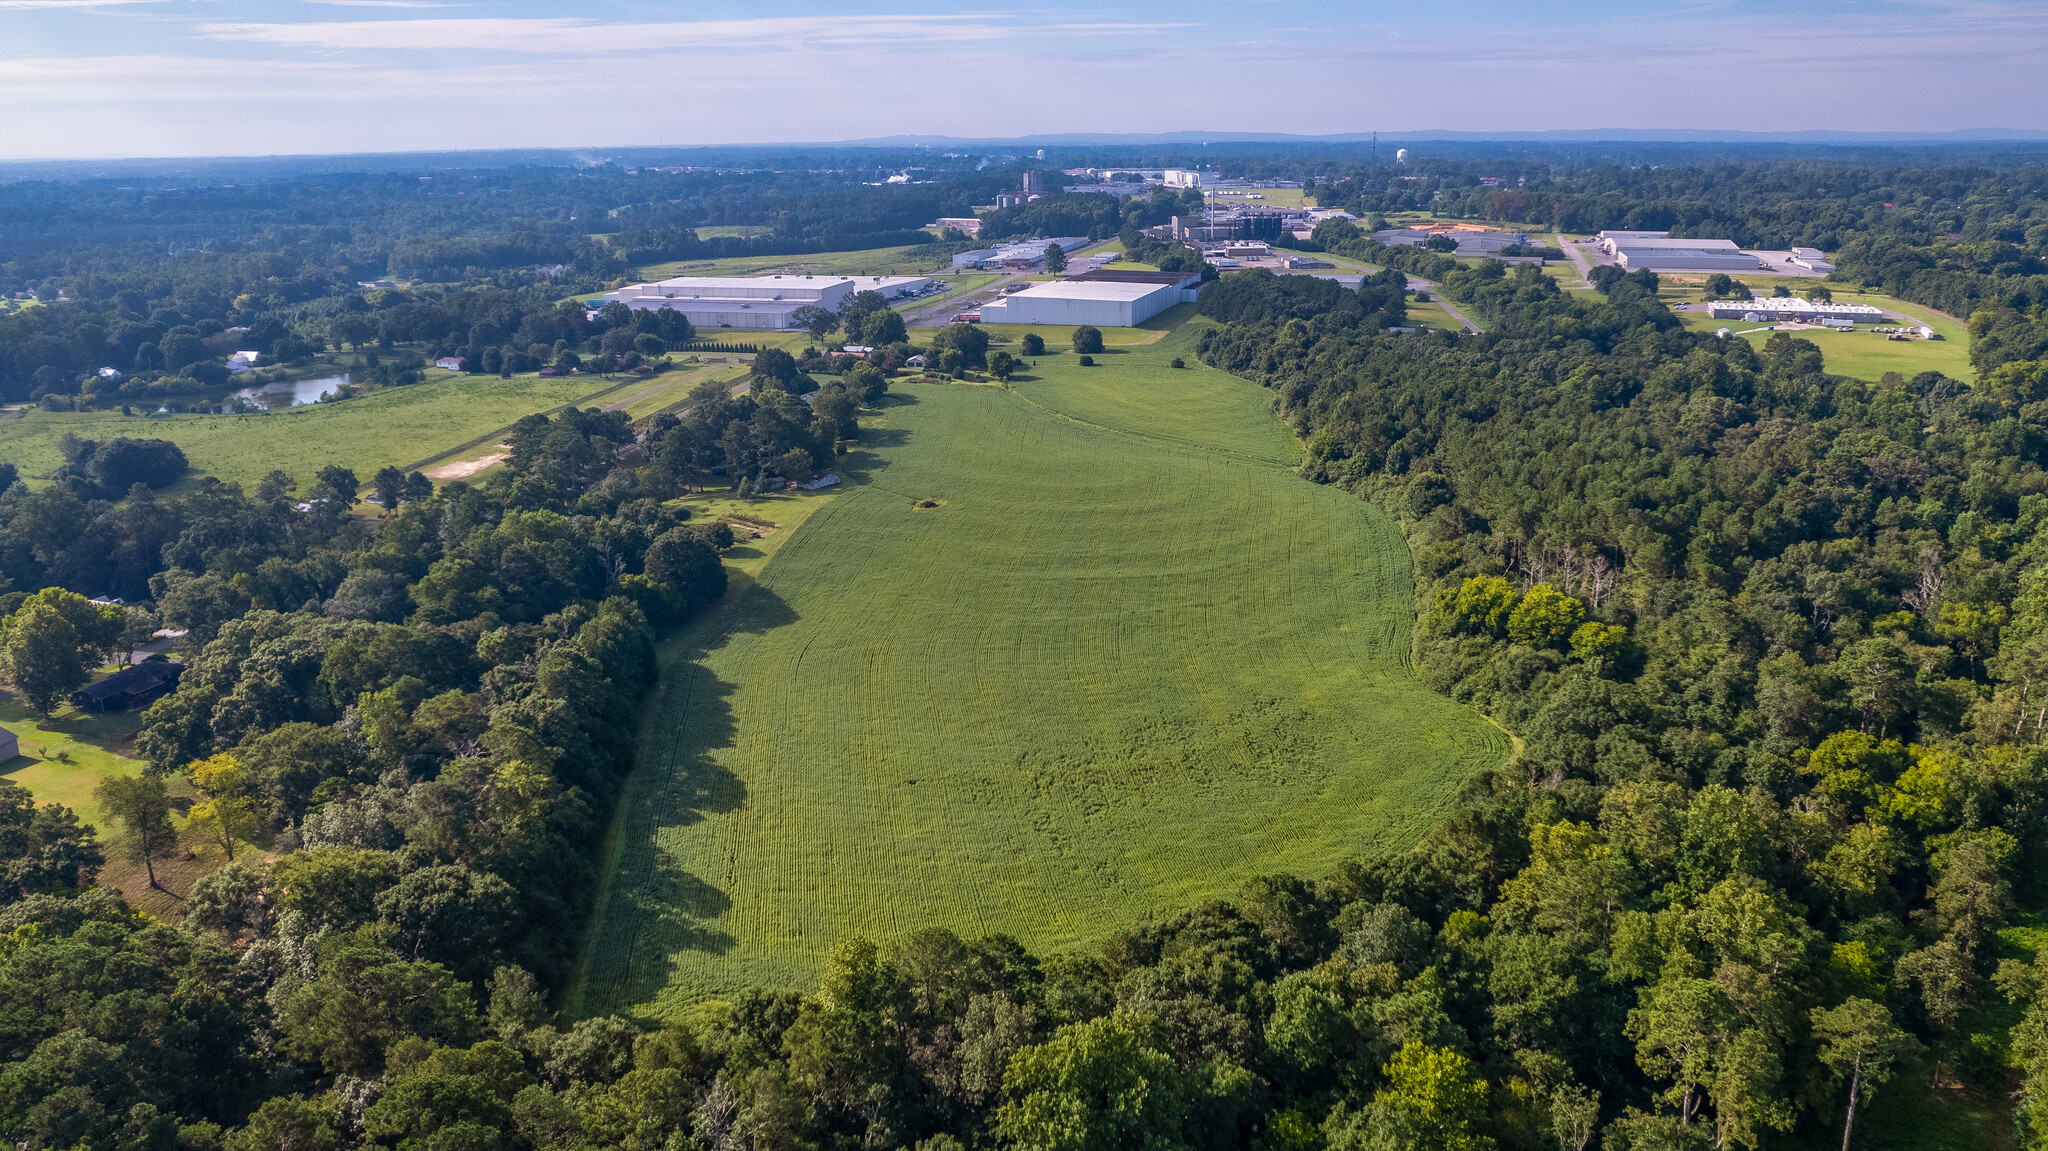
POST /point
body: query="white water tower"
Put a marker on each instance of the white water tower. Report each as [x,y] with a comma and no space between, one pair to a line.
[1400,155]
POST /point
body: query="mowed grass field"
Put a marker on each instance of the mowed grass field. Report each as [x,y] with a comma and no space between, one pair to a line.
[1128,661]
[860,262]
[394,426]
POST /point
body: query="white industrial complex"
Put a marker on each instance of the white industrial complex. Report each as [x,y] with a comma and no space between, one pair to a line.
[1022,254]
[1812,259]
[757,302]
[1792,308]
[1102,299]
[1661,252]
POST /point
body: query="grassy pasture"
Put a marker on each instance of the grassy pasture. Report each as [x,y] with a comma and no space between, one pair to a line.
[396,426]
[1129,660]
[863,262]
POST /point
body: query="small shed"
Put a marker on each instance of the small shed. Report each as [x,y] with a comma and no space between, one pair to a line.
[9,745]
[127,690]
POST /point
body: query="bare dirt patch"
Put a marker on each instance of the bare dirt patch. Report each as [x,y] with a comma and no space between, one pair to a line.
[463,469]
[761,529]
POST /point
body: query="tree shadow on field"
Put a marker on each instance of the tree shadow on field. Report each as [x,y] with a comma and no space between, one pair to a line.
[660,908]
[862,461]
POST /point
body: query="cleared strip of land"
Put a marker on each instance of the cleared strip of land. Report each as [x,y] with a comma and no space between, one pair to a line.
[1128,660]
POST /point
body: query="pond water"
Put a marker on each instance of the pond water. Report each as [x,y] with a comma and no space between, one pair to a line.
[271,397]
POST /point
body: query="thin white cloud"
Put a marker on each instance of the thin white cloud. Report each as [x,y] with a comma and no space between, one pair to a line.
[70,3]
[387,3]
[565,35]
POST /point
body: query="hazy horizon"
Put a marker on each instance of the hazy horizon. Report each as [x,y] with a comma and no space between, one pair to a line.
[106,79]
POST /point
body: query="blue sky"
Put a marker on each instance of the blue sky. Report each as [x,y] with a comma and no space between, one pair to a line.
[229,77]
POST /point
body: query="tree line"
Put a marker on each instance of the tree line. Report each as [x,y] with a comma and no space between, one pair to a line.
[1791,613]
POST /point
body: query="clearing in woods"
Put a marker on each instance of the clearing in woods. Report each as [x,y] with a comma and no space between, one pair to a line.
[1128,661]
[395,426]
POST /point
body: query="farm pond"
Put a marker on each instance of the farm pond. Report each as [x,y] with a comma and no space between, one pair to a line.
[270,397]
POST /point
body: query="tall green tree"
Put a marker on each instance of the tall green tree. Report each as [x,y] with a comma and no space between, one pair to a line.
[51,643]
[142,805]
[1096,1086]
[1859,1044]
[815,320]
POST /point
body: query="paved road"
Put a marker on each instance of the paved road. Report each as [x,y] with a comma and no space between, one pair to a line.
[1579,258]
[1415,285]
[944,311]
[967,302]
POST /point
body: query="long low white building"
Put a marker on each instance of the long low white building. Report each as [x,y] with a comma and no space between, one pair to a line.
[1102,304]
[1667,258]
[757,302]
[1793,308]
[1021,254]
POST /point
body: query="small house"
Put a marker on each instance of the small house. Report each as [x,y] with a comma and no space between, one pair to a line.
[127,690]
[9,745]
[821,482]
[451,363]
[243,361]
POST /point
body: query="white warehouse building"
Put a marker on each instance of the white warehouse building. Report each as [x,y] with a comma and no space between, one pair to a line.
[1793,308]
[1661,252]
[1699,256]
[762,303]
[1103,304]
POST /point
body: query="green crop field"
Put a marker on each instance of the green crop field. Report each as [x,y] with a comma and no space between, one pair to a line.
[394,426]
[1129,660]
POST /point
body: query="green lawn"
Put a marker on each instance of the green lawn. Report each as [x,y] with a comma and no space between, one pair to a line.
[1433,316]
[1058,337]
[1129,660]
[865,262]
[396,426]
[62,761]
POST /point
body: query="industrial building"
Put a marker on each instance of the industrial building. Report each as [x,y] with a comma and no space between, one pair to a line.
[1812,259]
[1609,241]
[1104,299]
[1186,281]
[1661,252]
[762,303]
[1792,308]
[1669,259]
[1470,242]
[1022,254]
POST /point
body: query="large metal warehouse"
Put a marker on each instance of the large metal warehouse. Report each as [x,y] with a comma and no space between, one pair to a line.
[1694,259]
[757,302]
[1104,305]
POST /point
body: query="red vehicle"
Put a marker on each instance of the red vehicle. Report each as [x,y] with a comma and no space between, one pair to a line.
[967,318]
